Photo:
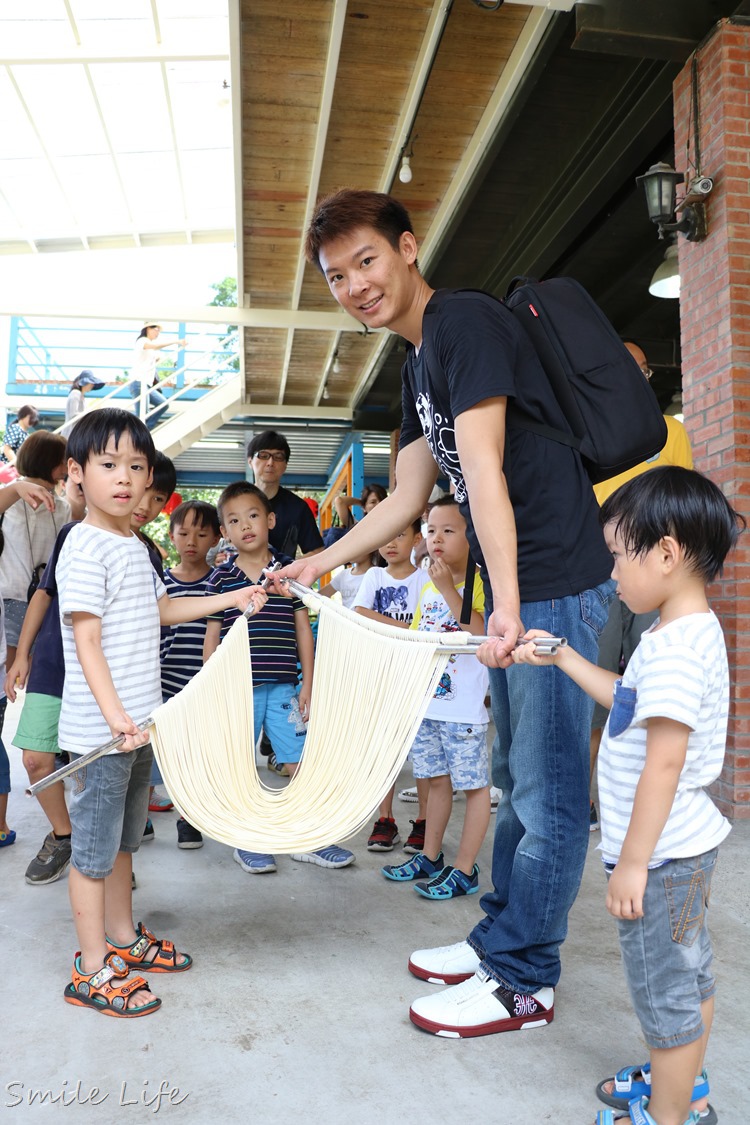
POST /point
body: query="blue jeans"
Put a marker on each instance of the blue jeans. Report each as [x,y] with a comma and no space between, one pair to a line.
[155,398]
[540,760]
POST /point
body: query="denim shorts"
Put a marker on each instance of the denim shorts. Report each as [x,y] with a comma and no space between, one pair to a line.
[108,809]
[276,709]
[667,953]
[15,612]
[458,749]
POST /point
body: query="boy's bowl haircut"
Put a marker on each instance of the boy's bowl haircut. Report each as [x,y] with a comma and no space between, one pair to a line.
[92,432]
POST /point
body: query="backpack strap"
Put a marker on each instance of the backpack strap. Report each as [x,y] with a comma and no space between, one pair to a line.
[471,567]
[514,415]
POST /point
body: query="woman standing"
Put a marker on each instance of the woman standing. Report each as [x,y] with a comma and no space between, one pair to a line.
[75,406]
[144,368]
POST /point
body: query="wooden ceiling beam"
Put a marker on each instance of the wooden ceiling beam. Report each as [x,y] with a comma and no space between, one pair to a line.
[321,135]
[510,78]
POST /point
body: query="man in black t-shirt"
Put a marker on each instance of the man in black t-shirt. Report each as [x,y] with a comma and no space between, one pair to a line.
[268,456]
[533,525]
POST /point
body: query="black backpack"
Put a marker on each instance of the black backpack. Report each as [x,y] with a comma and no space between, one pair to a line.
[614,417]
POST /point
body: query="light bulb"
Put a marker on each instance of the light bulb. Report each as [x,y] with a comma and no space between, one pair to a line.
[404,172]
[325,391]
[336,366]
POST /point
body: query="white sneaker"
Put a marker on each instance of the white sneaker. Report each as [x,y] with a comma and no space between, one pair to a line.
[411,796]
[495,795]
[446,964]
[480,1006]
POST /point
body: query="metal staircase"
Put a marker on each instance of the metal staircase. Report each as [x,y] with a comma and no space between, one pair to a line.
[199,418]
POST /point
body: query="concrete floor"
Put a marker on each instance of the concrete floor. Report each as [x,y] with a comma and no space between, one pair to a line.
[297,1006]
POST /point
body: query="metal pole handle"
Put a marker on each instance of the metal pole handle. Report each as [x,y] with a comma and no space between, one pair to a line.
[83,760]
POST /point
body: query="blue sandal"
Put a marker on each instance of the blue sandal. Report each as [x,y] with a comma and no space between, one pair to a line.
[637,1114]
[7,838]
[634,1082]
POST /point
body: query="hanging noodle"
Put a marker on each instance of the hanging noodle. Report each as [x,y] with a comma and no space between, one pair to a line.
[371,688]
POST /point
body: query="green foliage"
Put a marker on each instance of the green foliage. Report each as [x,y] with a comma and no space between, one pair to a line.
[158,529]
[226,297]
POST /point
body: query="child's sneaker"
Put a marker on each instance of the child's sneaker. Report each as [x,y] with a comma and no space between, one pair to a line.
[495,795]
[384,835]
[276,767]
[415,841]
[50,862]
[255,863]
[450,883]
[414,868]
[148,832]
[187,835]
[159,803]
[332,856]
[593,818]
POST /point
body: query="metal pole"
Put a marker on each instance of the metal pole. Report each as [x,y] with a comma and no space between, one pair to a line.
[83,760]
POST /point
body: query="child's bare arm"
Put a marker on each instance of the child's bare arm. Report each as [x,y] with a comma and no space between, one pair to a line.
[211,639]
[174,611]
[32,623]
[666,747]
[305,653]
[382,617]
[328,591]
[35,495]
[595,681]
[87,632]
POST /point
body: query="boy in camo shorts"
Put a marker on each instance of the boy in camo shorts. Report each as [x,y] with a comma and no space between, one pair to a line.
[451,745]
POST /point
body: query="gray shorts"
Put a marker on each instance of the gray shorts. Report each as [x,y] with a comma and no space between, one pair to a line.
[108,809]
[458,749]
[667,953]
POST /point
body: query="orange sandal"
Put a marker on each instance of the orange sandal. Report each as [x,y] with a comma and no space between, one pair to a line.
[163,961]
[97,990]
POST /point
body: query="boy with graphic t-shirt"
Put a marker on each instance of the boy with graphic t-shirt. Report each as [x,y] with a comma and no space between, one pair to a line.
[451,744]
[669,532]
[391,594]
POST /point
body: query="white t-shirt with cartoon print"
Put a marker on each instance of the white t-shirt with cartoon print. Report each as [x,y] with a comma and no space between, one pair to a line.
[462,689]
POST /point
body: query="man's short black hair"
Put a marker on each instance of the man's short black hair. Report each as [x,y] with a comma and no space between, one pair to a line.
[269,439]
[241,488]
[681,503]
[92,432]
[165,476]
[204,515]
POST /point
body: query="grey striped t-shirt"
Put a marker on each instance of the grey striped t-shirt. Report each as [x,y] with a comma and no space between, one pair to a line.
[679,671]
[111,577]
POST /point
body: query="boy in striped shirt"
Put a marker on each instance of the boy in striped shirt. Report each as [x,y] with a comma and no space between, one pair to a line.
[112,604]
[280,637]
[669,532]
[194,530]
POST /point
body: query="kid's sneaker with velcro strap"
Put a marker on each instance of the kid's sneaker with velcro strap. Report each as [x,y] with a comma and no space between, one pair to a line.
[415,868]
[450,883]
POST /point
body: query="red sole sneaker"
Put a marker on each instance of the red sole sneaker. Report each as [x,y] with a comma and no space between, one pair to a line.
[434,978]
[511,1023]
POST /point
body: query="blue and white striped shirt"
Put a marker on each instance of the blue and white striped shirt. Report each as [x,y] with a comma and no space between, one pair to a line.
[182,646]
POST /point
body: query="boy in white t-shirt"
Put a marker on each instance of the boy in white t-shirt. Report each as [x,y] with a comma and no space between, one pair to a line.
[112,604]
[451,745]
[391,594]
[669,532]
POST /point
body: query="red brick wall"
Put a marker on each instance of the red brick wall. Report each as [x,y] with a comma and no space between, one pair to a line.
[715,329]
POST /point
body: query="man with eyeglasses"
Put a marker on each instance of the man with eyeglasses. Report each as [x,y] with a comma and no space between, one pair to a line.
[268,455]
[620,636]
